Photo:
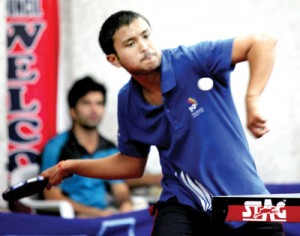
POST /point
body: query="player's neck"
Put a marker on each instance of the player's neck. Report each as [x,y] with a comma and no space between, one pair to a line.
[149,81]
[151,88]
[153,97]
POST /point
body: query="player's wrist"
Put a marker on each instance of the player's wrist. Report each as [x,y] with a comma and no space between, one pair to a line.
[62,168]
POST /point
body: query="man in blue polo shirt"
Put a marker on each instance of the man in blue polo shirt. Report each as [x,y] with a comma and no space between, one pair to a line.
[88,196]
[180,101]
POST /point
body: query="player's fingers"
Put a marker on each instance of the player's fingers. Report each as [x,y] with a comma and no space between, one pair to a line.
[258,126]
[53,182]
[53,175]
[259,130]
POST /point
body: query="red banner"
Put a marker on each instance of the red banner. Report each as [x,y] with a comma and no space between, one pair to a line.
[32,46]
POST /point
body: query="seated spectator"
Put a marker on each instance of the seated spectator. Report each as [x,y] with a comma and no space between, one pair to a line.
[88,196]
[149,185]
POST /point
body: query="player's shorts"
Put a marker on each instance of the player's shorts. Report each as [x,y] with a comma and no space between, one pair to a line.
[173,218]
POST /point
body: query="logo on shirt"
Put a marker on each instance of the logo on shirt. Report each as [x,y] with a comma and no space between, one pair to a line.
[255,211]
[195,111]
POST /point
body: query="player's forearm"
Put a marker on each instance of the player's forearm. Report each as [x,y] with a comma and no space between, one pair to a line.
[117,166]
[113,167]
[261,57]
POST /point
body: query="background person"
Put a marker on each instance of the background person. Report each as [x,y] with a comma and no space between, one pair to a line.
[88,196]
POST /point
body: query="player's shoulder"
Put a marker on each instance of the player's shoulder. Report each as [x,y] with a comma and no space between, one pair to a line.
[124,90]
[202,49]
[123,95]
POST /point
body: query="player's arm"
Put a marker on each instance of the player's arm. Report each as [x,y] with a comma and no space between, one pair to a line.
[121,194]
[116,166]
[259,51]
[81,210]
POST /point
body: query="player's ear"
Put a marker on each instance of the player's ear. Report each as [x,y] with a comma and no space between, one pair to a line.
[113,59]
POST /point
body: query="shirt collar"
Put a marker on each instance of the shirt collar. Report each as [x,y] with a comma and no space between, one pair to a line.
[167,73]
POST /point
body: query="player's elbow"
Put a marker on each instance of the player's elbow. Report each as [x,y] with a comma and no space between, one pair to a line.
[137,173]
[269,40]
[264,43]
[131,173]
[253,46]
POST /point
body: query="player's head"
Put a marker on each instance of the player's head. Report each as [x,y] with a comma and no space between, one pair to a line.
[112,24]
[83,86]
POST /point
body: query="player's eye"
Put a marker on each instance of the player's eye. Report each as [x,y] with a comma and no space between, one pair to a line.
[146,35]
[129,43]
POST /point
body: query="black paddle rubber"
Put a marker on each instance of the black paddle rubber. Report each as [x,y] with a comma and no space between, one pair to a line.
[24,189]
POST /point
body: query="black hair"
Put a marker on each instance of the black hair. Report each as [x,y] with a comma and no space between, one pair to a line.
[81,87]
[112,24]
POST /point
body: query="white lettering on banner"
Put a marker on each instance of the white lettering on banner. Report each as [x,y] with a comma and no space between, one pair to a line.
[109,224]
[255,211]
[20,8]
[32,35]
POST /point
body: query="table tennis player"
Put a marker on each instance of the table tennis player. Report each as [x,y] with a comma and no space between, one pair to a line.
[180,100]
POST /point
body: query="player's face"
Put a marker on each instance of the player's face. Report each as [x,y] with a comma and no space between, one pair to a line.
[136,51]
[89,110]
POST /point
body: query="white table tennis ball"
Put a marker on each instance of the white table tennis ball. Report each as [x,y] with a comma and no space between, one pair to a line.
[205,84]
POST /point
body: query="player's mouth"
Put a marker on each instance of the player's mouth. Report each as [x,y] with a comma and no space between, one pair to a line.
[148,56]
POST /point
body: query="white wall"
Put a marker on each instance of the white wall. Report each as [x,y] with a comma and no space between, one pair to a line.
[184,22]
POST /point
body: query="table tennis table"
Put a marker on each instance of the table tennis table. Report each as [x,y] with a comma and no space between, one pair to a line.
[270,207]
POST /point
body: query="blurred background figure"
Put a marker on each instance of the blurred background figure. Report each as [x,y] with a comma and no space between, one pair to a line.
[89,197]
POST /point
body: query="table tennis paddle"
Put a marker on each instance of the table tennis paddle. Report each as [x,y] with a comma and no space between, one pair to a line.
[25,188]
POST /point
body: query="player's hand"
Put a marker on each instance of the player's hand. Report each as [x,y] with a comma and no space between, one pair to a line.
[256,123]
[55,175]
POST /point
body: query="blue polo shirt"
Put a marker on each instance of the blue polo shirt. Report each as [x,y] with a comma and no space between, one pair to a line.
[201,141]
[88,191]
